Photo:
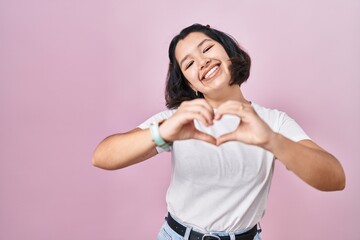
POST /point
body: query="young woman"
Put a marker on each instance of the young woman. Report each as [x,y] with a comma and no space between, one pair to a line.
[223,146]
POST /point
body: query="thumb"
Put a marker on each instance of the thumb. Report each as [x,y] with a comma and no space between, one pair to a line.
[204,137]
[226,138]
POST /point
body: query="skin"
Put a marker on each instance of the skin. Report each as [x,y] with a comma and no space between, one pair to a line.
[199,56]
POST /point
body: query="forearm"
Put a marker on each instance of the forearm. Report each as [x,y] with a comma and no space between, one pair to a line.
[125,149]
[312,164]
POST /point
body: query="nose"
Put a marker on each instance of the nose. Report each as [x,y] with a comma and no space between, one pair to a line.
[204,62]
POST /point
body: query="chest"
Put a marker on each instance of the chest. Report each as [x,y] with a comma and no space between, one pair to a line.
[230,164]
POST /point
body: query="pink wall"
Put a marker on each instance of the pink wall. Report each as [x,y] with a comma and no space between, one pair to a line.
[73,72]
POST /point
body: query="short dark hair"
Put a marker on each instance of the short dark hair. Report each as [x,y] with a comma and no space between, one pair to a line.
[177,88]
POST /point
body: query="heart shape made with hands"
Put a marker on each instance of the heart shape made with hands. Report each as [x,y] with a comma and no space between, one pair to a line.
[227,124]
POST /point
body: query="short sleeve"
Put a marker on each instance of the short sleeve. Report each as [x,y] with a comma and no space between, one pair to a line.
[291,129]
[157,118]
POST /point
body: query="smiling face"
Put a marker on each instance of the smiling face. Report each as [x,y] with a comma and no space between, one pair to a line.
[204,63]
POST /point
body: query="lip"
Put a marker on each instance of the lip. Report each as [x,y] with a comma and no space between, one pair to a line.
[208,69]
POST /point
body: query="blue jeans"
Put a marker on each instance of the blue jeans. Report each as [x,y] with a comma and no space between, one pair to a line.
[166,233]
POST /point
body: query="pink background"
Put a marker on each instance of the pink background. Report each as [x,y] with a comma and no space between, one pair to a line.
[73,72]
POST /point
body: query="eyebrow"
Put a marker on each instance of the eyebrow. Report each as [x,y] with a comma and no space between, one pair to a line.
[199,45]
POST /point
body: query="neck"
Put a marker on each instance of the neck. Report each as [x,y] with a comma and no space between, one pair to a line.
[233,93]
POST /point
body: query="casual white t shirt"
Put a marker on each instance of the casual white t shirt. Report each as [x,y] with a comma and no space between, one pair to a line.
[223,188]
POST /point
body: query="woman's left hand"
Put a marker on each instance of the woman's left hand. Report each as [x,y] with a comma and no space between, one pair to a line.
[251,130]
[305,158]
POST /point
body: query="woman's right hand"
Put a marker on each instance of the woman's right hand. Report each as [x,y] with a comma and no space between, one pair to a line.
[180,125]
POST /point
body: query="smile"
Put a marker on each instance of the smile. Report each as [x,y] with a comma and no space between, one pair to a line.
[211,72]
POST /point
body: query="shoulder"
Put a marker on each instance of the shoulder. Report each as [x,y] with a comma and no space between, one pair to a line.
[157,117]
[164,114]
[274,117]
[268,113]
[280,122]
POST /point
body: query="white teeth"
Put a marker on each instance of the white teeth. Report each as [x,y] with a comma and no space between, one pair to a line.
[211,71]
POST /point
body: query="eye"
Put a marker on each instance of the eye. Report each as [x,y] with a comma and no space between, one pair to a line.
[207,48]
[189,65]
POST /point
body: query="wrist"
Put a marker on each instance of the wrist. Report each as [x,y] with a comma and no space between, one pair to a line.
[157,138]
[272,141]
[277,145]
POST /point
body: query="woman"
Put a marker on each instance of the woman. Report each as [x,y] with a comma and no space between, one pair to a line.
[223,146]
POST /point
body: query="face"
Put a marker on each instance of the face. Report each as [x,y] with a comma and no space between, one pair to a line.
[204,63]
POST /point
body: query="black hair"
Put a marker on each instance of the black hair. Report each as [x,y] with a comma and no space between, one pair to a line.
[177,87]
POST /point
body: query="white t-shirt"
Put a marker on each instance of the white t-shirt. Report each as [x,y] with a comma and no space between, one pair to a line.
[223,188]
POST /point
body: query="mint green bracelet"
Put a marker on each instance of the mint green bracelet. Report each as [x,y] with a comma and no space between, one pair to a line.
[156,137]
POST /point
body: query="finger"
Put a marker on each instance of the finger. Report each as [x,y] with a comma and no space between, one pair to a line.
[190,116]
[207,109]
[231,108]
[234,108]
[201,112]
[197,102]
[204,103]
[226,138]
[204,137]
[190,111]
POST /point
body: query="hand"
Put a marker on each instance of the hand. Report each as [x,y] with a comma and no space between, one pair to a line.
[180,125]
[251,130]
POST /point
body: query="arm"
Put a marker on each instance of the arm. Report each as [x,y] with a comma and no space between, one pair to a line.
[124,149]
[306,159]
